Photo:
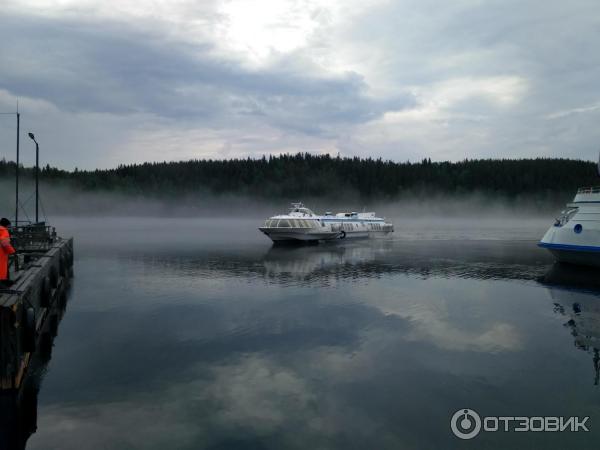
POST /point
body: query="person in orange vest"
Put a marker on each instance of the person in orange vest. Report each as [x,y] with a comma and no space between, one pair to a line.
[5,250]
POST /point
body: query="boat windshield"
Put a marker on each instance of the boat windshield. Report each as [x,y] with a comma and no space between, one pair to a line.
[290,223]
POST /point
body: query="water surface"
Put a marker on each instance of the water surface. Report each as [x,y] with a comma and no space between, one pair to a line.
[198,334]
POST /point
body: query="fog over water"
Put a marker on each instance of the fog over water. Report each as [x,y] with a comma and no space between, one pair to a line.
[60,200]
[191,333]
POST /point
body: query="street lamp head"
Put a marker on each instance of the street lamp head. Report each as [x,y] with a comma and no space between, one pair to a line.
[31,136]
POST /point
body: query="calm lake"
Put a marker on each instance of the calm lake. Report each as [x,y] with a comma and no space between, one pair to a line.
[198,334]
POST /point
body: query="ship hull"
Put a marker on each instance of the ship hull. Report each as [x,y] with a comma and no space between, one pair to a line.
[575,236]
[573,254]
[302,225]
[298,235]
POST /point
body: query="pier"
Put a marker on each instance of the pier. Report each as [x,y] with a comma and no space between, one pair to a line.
[41,272]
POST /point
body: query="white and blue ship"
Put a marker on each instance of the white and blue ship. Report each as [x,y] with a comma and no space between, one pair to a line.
[575,236]
[301,224]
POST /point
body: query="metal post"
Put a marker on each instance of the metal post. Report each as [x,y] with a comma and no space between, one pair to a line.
[37,177]
[17,175]
[37,182]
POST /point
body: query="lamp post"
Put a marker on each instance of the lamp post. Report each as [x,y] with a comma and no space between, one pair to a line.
[37,177]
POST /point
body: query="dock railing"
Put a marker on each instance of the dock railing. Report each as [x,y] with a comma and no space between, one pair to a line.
[30,241]
[32,238]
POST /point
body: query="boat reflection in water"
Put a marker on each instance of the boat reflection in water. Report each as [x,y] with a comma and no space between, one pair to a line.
[424,259]
[350,260]
[326,262]
[19,395]
[576,294]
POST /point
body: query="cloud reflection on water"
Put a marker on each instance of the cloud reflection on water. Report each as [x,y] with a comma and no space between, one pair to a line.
[360,345]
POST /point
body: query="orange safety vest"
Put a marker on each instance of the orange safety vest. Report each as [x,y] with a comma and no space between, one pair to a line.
[5,250]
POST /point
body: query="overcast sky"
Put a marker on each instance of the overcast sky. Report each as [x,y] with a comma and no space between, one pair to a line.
[108,82]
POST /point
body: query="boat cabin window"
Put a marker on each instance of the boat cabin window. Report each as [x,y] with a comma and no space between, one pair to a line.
[284,223]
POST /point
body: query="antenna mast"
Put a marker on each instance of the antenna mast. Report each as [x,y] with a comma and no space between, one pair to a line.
[17,166]
[17,170]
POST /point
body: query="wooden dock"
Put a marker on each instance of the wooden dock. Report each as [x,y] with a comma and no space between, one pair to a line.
[30,307]
[30,311]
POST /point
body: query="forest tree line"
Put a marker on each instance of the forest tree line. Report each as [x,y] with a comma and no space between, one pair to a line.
[306,175]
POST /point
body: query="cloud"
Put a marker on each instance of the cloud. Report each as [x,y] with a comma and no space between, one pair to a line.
[109,68]
[568,112]
[401,80]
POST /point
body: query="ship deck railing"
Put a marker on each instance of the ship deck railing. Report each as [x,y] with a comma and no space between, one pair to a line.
[589,190]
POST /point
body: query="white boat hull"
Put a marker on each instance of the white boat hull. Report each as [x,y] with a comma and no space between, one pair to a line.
[298,235]
[577,240]
[302,225]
